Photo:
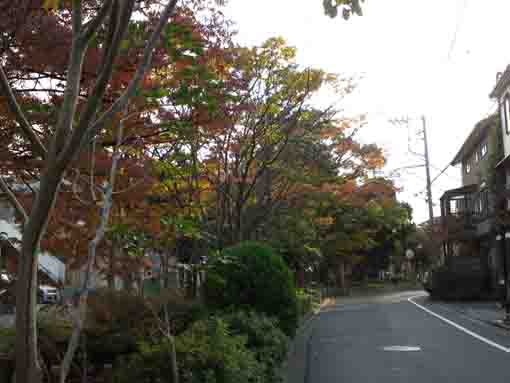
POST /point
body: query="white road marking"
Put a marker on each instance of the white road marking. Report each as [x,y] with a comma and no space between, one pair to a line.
[402,348]
[459,327]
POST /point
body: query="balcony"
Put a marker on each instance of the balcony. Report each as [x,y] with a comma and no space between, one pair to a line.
[465,212]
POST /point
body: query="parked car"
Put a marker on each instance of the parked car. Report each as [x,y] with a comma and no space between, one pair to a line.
[47,294]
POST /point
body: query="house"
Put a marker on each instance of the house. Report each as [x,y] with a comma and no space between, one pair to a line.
[60,272]
[51,269]
[468,212]
[501,93]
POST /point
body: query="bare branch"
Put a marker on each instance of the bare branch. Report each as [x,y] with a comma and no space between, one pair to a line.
[13,200]
[81,310]
[20,116]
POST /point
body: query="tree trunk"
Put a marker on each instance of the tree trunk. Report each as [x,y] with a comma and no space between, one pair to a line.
[27,365]
[341,282]
[174,368]
[300,277]
[110,278]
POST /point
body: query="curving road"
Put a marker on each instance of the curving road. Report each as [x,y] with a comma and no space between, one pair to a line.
[389,339]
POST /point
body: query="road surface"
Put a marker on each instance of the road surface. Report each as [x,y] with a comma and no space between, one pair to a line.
[398,338]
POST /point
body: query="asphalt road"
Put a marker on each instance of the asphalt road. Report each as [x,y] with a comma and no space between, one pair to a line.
[346,343]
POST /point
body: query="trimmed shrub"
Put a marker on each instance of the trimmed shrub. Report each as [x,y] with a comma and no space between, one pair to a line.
[250,276]
[264,338]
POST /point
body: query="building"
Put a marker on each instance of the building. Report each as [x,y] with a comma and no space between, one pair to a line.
[51,269]
[501,93]
[468,212]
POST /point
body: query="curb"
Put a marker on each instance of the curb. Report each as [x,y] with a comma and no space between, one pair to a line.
[501,324]
[298,344]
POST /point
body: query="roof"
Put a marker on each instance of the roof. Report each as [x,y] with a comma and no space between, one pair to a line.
[501,84]
[460,191]
[479,132]
[435,221]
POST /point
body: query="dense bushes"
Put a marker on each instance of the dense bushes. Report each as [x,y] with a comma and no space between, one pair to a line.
[208,352]
[250,276]
[264,338]
[239,336]
[7,342]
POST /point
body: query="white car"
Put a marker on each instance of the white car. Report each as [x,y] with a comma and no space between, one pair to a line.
[48,294]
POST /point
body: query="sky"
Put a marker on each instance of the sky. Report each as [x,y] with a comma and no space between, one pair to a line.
[437,58]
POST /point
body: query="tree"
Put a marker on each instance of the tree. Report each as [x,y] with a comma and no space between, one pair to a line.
[74,126]
[346,7]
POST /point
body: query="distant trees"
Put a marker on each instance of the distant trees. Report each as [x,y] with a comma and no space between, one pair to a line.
[347,8]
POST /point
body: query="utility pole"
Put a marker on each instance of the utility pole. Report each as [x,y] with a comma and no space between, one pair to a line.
[427,169]
[424,156]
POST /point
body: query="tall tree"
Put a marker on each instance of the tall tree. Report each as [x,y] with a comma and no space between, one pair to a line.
[75,124]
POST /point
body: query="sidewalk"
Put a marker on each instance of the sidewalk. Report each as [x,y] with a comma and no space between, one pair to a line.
[489,312]
[295,367]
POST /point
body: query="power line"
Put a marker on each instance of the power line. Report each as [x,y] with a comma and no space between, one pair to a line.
[440,173]
[460,20]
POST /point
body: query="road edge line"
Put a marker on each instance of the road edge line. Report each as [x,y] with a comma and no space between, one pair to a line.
[459,327]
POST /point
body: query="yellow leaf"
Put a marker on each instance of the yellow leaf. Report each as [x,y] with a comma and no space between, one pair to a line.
[51,4]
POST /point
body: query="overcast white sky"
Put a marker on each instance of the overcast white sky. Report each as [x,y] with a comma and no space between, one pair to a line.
[401,47]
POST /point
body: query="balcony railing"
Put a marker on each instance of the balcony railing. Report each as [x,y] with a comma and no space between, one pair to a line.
[464,208]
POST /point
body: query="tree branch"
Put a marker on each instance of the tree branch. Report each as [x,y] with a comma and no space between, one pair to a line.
[81,310]
[119,17]
[68,110]
[13,200]
[91,27]
[20,116]
[142,69]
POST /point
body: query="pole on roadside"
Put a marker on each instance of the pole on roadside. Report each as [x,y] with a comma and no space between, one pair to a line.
[427,169]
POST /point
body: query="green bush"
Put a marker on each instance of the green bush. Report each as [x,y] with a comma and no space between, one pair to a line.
[149,364]
[305,302]
[118,320]
[207,353]
[250,276]
[7,340]
[264,338]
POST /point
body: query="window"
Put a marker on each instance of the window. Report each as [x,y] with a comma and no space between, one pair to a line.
[477,156]
[467,167]
[506,113]
[485,149]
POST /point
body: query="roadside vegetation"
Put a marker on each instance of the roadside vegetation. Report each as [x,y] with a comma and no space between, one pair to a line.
[201,200]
